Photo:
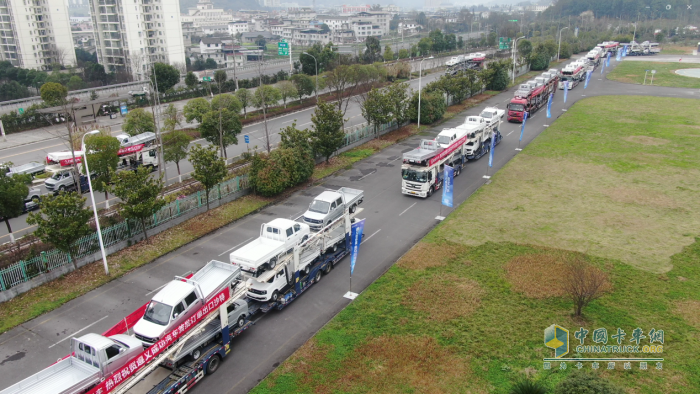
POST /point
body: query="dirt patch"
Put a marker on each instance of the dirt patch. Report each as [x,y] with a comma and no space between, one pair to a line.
[536,275]
[303,359]
[646,140]
[426,255]
[690,311]
[641,196]
[444,297]
[405,364]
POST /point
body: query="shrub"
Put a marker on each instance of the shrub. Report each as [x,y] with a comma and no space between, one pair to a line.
[271,174]
[580,382]
[527,386]
[432,108]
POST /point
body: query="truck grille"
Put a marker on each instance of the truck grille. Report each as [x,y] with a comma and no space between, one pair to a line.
[312,220]
[254,291]
[144,339]
[412,186]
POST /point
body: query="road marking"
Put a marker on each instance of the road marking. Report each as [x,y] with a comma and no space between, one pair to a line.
[509,133]
[395,159]
[373,234]
[82,329]
[404,211]
[367,175]
[157,288]
[228,250]
[289,121]
[303,124]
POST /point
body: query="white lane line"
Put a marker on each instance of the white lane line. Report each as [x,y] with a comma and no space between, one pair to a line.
[510,133]
[289,121]
[156,289]
[367,175]
[373,234]
[404,211]
[303,124]
[82,329]
[228,250]
[395,159]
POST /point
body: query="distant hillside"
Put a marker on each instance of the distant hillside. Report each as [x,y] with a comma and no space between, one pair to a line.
[628,9]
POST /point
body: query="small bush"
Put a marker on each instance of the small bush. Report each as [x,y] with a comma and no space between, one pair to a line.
[527,386]
[580,382]
[432,108]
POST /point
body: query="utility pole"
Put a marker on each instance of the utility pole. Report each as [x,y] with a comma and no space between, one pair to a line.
[263,104]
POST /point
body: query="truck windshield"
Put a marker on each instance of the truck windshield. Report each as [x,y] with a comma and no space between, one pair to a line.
[516,107]
[319,206]
[486,115]
[57,176]
[414,176]
[443,139]
[158,313]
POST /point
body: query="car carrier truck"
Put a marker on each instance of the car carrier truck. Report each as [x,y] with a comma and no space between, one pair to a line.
[422,168]
[330,205]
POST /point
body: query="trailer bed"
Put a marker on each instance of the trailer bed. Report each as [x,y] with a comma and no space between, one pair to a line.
[60,378]
[214,276]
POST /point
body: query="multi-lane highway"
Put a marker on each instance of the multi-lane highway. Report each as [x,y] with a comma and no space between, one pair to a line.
[394,223]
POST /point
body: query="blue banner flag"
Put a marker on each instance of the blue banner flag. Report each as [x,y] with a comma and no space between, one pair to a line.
[624,51]
[522,127]
[356,240]
[449,186]
[602,69]
[493,147]
[549,105]
[566,89]
[588,78]
[607,60]
[618,56]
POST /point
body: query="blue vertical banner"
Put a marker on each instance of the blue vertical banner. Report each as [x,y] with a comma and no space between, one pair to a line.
[566,89]
[624,51]
[549,105]
[607,60]
[588,79]
[522,126]
[493,147]
[448,189]
[602,69]
[356,240]
[618,56]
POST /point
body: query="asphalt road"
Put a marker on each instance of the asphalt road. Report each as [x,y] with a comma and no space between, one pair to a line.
[394,223]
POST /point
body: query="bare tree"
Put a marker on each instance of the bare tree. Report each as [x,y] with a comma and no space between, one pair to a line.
[59,55]
[583,283]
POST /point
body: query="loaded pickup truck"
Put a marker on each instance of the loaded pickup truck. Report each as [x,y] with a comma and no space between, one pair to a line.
[330,205]
[33,168]
[181,298]
[277,238]
[93,358]
[493,115]
[146,138]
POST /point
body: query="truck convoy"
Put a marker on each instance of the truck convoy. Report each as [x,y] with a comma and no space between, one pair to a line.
[472,61]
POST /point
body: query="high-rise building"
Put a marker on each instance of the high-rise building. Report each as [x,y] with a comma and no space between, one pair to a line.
[131,35]
[35,33]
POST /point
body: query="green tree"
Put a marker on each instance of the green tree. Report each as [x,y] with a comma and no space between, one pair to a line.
[498,78]
[164,76]
[75,83]
[261,42]
[438,40]
[388,53]
[565,51]
[102,160]
[373,50]
[397,101]
[267,175]
[13,191]
[226,101]
[491,39]
[266,96]
[432,108]
[172,118]
[191,80]
[293,138]
[210,64]
[140,195]
[138,121]
[175,146]
[539,60]
[61,221]
[220,127]
[53,93]
[421,19]
[304,84]
[209,168]
[424,46]
[220,78]
[375,108]
[403,54]
[327,134]
[287,91]
[578,382]
[195,109]
[245,97]
[460,43]
[525,48]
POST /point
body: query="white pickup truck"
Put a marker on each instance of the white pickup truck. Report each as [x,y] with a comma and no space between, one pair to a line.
[493,115]
[181,298]
[330,205]
[277,238]
[32,168]
[479,133]
[93,358]
[146,138]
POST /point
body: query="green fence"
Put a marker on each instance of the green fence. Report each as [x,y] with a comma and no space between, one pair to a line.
[23,271]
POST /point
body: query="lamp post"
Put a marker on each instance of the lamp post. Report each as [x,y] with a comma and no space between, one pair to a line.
[559,49]
[92,198]
[515,49]
[420,69]
[316,65]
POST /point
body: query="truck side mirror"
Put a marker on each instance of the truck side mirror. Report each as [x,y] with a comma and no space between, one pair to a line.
[176,315]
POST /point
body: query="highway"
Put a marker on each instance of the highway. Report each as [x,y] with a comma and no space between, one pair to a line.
[394,223]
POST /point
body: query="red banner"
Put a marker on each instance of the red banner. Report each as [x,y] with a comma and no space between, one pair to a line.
[157,348]
[457,144]
[130,149]
[68,162]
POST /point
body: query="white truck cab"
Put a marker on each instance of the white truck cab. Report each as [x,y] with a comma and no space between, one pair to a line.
[172,305]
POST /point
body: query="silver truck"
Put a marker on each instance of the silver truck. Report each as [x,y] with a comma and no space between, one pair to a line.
[63,181]
[146,138]
[182,297]
[93,358]
[330,205]
[493,115]
[32,168]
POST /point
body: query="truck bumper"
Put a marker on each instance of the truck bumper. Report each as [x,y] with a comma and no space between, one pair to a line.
[418,193]
[258,297]
[515,119]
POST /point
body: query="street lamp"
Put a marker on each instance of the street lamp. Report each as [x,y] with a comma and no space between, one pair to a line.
[420,69]
[515,49]
[92,198]
[559,49]
[316,65]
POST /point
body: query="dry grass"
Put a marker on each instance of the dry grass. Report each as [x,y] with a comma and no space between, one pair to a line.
[444,297]
[690,311]
[405,364]
[646,140]
[564,204]
[427,255]
[303,360]
[536,275]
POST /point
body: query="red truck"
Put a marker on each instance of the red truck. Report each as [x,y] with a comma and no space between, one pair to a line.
[529,98]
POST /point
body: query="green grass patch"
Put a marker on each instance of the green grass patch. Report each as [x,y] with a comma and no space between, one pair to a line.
[633,72]
[473,298]
[677,50]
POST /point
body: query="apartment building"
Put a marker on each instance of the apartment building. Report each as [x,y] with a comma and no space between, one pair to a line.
[308,37]
[334,22]
[380,19]
[130,35]
[236,27]
[35,33]
[204,14]
[363,30]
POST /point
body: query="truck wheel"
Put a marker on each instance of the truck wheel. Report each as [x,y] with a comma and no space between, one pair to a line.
[328,268]
[353,208]
[275,296]
[317,278]
[307,269]
[196,353]
[62,188]
[272,263]
[241,321]
[213,364]
[430,191]
[335,248]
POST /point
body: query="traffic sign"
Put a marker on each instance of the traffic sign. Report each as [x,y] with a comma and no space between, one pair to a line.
[653,71]
[247,139]
[206,79]
[283,48]
[21,111]
[512,20]
[123,109]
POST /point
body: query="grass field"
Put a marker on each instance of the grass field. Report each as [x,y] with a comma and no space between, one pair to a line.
[677,50]
[464,310]
[633,72]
